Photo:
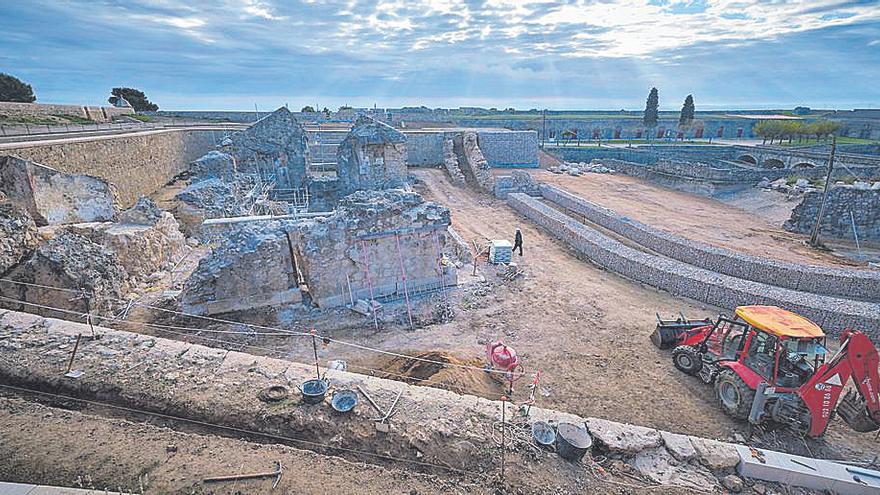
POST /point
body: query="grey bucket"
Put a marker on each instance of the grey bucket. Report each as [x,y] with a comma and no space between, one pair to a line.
[543,434]
[572,441]
[313,391]
[344,400]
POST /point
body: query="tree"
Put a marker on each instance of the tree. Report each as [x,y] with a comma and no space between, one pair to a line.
[687,112]
[135,97]
[652,109]
[308,109]
[13,89]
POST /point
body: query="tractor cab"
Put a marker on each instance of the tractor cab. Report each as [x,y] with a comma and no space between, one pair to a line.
[761,343]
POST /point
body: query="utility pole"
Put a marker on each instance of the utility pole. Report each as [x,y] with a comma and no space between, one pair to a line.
[814,238]
[544,127]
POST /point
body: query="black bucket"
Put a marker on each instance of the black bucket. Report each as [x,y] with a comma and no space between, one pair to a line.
[544,434]
[572,441]
[313,391]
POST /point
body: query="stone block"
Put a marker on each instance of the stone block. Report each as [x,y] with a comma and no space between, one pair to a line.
[621,437]
[679,446]
[660,467]
[53,198]
[18,234]
[715,455]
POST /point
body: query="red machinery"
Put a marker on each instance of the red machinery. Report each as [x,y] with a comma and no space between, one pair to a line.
[769,363]
[504,358]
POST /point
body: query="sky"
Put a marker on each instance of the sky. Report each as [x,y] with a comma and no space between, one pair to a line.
[577,54]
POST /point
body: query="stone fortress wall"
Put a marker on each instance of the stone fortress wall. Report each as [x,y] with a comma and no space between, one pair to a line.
[848,208]
[95,113]
[137,164]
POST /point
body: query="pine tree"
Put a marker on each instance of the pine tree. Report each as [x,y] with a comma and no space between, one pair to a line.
[687,112]
[652,109]
[13,89]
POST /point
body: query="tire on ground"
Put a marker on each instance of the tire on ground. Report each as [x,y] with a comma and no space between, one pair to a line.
[734,395]
[688,359]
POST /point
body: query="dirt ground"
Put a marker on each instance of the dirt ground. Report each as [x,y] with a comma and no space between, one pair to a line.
[584,328]
[749,223]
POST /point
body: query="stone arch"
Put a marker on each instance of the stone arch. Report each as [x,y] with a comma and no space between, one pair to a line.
[804,165]
[774,163]
[748,159]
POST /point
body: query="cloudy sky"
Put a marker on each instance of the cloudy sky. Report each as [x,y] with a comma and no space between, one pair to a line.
[232,54]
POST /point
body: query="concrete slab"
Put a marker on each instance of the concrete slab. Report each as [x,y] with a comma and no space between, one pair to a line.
[810,473]
[26,489]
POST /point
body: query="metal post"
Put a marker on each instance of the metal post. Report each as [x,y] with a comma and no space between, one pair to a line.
[544,127]
[814,237]
[315,347]
[855,232]
[73,354]
[403,276]
[503,432]
[369,282]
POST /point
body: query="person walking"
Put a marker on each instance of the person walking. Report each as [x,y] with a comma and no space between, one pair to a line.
[518,241]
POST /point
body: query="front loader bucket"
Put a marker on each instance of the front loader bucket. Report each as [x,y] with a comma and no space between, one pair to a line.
[669,333]
[853,411]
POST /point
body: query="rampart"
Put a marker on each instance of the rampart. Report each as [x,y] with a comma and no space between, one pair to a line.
[682,279]
[137,164]
[97,114]
[851,284]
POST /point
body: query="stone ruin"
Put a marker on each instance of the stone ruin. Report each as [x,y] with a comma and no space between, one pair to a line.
[353,254]
[51,197]
[371,157]
[66,246]
[275,147]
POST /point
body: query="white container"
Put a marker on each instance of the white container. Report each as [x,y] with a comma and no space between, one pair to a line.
[500,251]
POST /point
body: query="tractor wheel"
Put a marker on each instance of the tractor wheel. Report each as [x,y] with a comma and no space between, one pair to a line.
[734,395]
[687,358]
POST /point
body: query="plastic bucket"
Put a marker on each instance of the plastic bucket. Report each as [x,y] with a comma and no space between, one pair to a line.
[313,391]
[544,434]
[344,400]
[572,441]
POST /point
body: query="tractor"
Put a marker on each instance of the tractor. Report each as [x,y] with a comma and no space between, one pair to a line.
[767,363]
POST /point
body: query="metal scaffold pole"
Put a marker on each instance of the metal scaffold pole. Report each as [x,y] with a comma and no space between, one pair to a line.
[403,276]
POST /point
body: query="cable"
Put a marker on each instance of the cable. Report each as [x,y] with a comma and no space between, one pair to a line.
[245,431]
[275,329]
[273,353]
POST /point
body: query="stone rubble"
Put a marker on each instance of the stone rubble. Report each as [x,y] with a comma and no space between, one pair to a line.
[18,234]
[450,163]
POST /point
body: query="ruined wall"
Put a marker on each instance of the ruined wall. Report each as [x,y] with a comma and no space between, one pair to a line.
[372,156]
[250,268]
[472,161]
[424,149]
[98,114]
[51,197]
[355,248]
[851,284]
[682,279]
[847,205]
[276,147]
[136,164]
[509,149]
[450,163]
[18,234]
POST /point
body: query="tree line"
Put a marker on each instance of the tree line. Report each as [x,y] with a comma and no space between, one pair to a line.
[781,130]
